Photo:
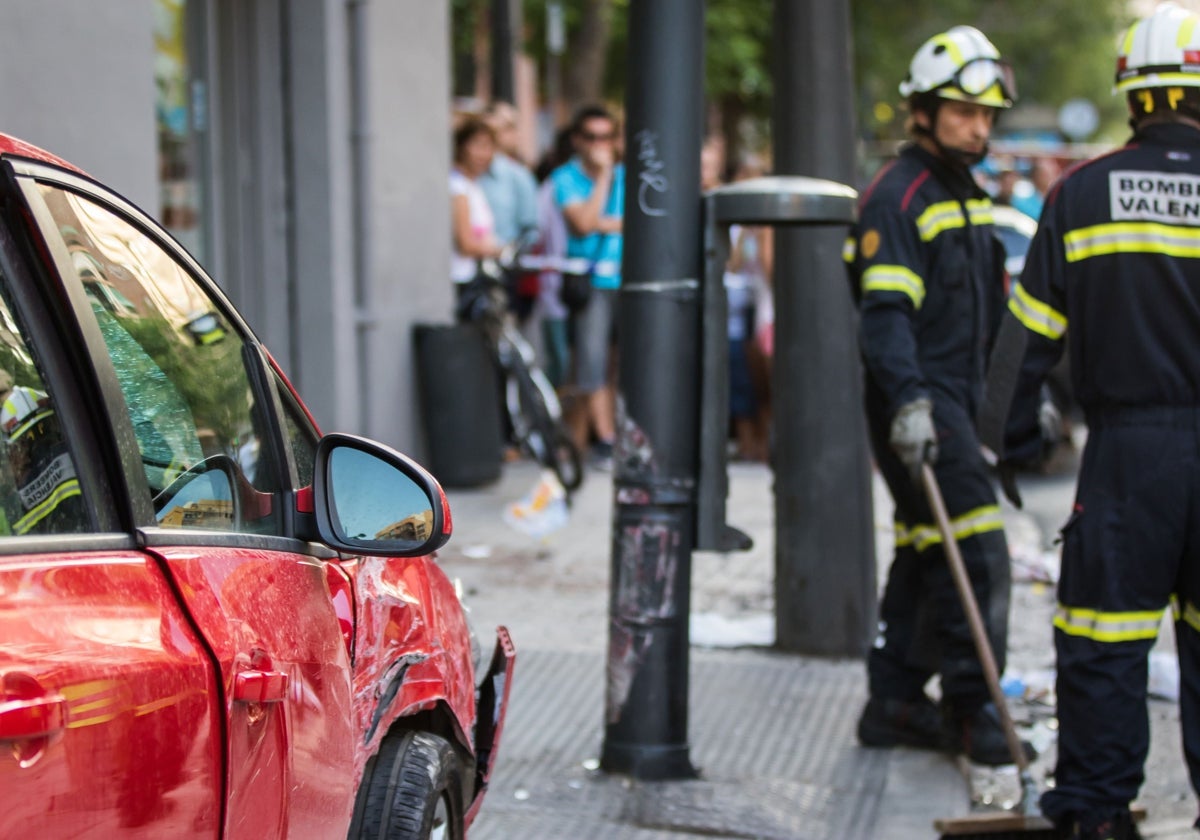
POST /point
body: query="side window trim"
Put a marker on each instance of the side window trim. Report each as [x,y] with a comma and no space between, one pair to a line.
[153,536]
[262,382]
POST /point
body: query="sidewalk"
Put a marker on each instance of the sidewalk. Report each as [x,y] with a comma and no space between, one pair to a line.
[772,734]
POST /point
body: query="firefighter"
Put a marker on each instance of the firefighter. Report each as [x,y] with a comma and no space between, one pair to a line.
[39,468]
[926,272]
[1117,261]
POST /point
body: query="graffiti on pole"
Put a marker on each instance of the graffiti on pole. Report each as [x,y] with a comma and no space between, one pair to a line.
[652,183]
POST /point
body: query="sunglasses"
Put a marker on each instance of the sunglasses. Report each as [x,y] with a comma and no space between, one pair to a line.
[975,77]
[588,137]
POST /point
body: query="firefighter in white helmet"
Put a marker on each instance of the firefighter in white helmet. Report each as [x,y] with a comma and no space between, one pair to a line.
[1116,260]
[927,272]
[47,489]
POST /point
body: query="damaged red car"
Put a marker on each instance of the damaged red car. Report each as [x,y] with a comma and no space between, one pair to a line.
[214,620]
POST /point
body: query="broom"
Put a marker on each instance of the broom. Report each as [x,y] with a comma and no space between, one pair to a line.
[1025,821]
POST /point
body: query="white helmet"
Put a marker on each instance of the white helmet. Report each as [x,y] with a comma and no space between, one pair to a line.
[21,409]
[1162,50]
[961,64]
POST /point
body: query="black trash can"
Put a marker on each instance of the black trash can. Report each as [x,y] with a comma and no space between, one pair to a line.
[459,389]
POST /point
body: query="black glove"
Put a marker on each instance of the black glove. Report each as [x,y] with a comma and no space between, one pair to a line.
[913,436]
[1008,482]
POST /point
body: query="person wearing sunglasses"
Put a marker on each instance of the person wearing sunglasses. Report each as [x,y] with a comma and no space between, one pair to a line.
[1116,260]
[590,190]
[927,274]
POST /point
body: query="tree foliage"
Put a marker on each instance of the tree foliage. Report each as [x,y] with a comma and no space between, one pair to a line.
[1060,50]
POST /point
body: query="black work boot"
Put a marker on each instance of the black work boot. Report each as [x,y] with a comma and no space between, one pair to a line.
[1118,826]
[980,736]
[888,722]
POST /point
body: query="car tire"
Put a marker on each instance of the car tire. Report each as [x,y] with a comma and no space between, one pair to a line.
[412,791]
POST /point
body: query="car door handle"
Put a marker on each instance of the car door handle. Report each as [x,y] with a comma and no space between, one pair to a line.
[260,686]
[35,717]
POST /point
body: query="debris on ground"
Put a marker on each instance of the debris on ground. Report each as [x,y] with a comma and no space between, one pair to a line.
[711,630]
[543,510]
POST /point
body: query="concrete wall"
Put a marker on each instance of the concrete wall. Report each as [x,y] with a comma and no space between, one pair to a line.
[331,153]
[408,229]
[78,80]
[371,155]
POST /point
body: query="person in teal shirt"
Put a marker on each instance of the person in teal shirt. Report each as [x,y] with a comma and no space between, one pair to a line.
[590,190]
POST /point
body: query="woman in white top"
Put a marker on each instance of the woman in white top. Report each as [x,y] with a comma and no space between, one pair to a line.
[472,224]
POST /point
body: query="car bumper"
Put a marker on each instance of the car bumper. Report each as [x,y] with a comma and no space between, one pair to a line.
[491,706]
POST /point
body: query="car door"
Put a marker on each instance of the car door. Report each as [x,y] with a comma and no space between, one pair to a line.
[108,711]
[210,481]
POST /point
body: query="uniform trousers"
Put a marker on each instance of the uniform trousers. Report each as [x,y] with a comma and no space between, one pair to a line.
[923,628]
[1131,548]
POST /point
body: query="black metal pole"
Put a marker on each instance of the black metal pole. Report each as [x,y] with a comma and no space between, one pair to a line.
[658,399]
[503,88]
[825,587]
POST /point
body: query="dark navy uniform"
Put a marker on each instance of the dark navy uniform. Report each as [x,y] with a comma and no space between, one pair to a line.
[927,272]
[1117,257]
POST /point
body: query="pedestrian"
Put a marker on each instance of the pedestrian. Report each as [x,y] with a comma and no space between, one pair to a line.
[1042,176]
[508,183]
[927,274]
[590,191]
[752,256]
[511,193]
[472,224]
[1115,258]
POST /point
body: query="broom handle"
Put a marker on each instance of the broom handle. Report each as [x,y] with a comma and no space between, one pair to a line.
[962,583]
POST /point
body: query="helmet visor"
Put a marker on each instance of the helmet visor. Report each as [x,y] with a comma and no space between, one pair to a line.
[976,77]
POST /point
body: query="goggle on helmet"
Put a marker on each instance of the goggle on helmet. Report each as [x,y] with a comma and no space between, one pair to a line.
[961,64]
[1162,50]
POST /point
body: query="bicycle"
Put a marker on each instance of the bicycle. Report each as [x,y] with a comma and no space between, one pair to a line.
[532,404]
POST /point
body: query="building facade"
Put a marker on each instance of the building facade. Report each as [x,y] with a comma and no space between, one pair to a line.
[299,148]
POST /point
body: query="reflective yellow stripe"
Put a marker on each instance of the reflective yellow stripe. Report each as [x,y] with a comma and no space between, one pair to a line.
[1186,27]
[980,210]
[1108,626]
[977,521]
[1163,80]
[894,278]
[848,249]
[63,491]
[944,215]
[947,215]
[1132,238]
[944,40]
[1035,315]
[29,422]
[1127,47]
[1189,615]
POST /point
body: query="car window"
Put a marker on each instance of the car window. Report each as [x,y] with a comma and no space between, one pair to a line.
[181,368]
[39,490]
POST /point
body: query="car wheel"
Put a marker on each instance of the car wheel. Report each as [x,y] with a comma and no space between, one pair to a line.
[413,791]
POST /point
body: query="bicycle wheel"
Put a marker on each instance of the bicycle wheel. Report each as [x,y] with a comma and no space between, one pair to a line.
[536,428]
[568,464]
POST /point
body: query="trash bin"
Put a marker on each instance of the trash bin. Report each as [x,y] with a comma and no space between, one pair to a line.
[460,408]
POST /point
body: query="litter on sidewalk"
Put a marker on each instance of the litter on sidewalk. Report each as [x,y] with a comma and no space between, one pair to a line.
[711,630]
[542,511]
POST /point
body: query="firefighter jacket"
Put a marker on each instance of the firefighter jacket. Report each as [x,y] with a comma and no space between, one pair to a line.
[927,273]
[1116,257]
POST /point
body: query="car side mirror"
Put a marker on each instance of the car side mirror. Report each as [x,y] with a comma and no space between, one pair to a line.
[370,499]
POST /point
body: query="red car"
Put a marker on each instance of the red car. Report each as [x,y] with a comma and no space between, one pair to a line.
[214,622]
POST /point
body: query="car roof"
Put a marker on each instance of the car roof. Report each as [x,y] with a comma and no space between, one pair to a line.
[13,146]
